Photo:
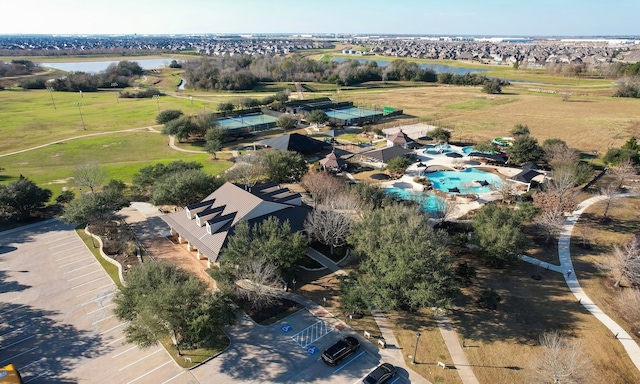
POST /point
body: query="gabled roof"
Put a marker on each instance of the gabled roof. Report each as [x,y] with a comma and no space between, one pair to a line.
[333,161]
[207,224]
[387,153]
[294,142]
[526,176]
[400,138]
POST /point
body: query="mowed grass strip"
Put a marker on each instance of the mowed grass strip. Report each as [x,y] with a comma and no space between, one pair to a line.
[120,154]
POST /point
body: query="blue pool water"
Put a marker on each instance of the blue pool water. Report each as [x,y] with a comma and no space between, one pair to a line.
[465,181]
[431,204]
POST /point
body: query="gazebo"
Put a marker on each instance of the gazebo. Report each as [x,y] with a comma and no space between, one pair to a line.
[399,139]
[333,162]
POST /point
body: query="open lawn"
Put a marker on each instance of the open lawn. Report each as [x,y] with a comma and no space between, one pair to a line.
[120,154]
[584,122]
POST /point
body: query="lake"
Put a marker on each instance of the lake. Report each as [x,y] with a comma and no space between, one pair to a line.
[437,68]
[98,66]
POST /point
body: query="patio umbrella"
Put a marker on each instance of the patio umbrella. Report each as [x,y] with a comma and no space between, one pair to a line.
[380,176]
[454,155]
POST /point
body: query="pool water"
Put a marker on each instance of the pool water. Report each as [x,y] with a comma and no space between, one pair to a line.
[441,149]
[431,203]
[466,181]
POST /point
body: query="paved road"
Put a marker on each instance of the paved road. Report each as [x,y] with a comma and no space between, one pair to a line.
[56,322]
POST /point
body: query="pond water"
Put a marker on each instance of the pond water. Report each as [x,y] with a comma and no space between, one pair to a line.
[98,66]
[468,181]
[437,68]
[430,203]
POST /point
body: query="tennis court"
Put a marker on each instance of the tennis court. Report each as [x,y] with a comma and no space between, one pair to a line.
[351,113]
[248,122]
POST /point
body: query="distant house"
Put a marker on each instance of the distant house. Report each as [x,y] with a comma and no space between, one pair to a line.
[206,225]
[333,163]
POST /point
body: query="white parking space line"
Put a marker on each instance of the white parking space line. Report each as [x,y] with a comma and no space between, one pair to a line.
[19,354]
[63,244]
[111,329]
[11,310]
[17,342]
[15,330]
[86,274]
[73,262]
[98,299]
[151,371]
[67,256]
[81,248]
[89,282]
[52,234]
[312,333]
[139,360]
[123,352]
[91,263]
[116,340]
[30,364]
[165,382]
[16,319]
[100,309]
[12,300]
[33,378]
[95,289]
[348,362]
[101,320]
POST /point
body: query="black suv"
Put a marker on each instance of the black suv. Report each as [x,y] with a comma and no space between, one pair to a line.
[381,374]
[340,350]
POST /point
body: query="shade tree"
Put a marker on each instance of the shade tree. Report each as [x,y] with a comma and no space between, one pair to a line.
[22,198]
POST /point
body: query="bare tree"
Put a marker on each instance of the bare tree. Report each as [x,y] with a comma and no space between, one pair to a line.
[560,153]
[561,361]
[551,221]
[321,185]
[329,227]
[626,261]
[559,193]
[444,209]
[609,191]
[247,171]
[259,279]
[89,175]
[622,172]
[629,304]
[508,190]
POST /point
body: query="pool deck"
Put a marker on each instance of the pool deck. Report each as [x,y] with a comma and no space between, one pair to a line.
[442,162]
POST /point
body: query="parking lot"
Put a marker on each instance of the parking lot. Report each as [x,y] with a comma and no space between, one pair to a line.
[56,326]
[289,352]
[56,323]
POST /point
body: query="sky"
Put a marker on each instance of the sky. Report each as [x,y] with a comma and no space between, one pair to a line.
[423,17]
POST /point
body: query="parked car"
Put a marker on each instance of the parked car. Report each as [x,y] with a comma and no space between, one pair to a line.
[381,374]
[340,350]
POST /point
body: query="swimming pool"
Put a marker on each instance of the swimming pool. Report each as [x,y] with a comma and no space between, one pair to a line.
[441,149]
[430,202]
[467,181]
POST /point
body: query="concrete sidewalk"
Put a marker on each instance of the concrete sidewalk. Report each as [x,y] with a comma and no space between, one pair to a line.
[455,350]
[571,278]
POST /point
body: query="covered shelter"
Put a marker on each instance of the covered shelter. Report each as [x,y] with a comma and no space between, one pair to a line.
[399,138]
[295,142]
[387,153]
[333,162]
[526,176]
[206,225]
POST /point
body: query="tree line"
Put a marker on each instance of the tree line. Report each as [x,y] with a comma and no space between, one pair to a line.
[245,72]
[18,68]
[118,75]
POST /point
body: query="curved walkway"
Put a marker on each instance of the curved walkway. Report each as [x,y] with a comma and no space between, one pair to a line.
[566,268]
[140,129]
